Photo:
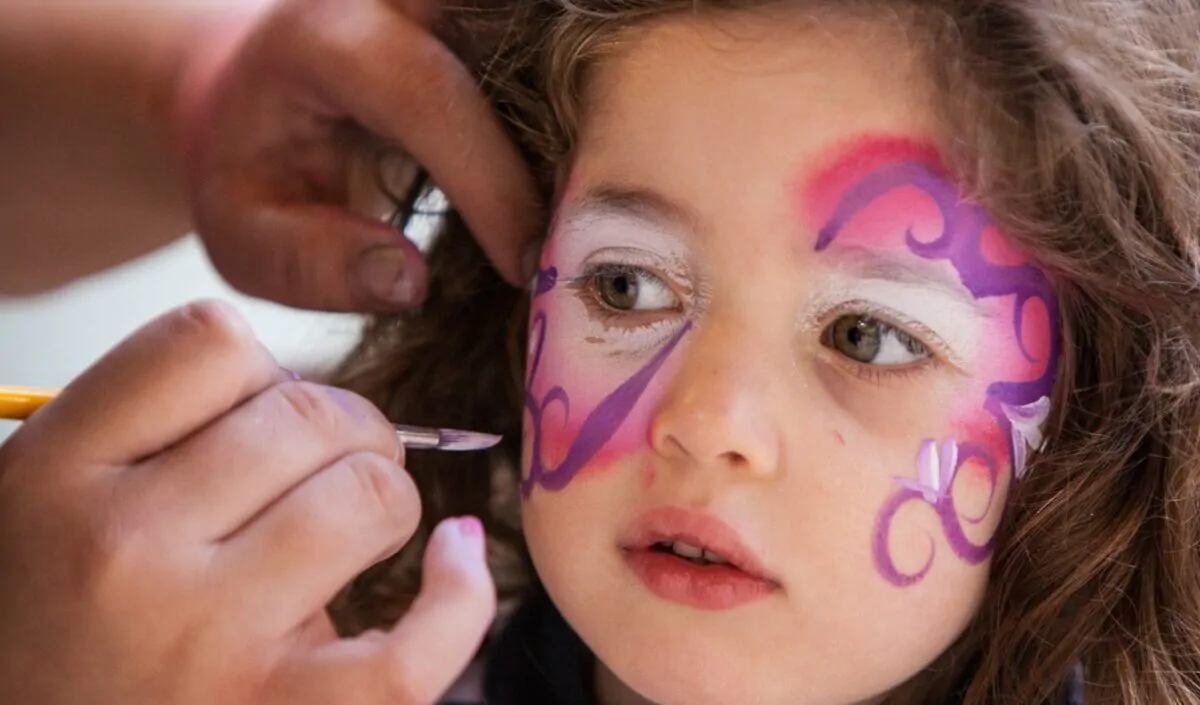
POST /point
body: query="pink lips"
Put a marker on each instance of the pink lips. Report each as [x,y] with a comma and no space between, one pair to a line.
[739,580]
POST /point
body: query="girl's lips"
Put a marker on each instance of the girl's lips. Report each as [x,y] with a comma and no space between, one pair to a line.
[740,580]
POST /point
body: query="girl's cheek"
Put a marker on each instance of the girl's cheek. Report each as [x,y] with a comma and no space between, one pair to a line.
[588,374]
[1007,359]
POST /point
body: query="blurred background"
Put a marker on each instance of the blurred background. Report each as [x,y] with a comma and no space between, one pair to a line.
[45,341]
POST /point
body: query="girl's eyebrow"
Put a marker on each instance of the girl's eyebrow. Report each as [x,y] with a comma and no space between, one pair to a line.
[637,203]
[867,263]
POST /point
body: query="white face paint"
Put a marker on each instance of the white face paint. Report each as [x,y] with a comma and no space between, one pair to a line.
[642,255]
[1027,430]
[947,323]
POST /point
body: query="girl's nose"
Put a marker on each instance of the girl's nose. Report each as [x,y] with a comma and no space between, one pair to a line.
[718,409]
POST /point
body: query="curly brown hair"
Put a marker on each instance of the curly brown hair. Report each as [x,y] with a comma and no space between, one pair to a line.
[1076,123]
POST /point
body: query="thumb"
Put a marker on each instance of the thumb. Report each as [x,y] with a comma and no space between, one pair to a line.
[454,609]
[428,649]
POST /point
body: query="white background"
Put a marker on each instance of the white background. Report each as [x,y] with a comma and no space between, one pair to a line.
[47,340]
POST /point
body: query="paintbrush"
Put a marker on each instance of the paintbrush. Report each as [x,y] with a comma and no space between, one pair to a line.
[19,403]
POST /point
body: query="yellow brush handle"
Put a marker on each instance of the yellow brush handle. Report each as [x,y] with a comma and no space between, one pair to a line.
[19,403]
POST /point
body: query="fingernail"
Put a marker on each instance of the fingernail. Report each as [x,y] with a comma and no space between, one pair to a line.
[385,273]
[470,532]
[291,374]
[470,527]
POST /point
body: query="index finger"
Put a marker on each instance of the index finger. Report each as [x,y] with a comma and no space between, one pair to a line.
[398,81]
[161,384]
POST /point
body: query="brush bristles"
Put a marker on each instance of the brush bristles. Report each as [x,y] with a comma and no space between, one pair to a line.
[453,439]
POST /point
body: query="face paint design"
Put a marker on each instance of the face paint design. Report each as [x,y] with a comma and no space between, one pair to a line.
[600,423]
[936,467]
[951,519]
[1026,423]
[1017,407]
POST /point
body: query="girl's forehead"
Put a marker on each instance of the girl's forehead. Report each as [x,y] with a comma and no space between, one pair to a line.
[864,65]
[720,116]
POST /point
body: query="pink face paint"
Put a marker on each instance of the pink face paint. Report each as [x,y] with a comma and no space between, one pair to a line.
[893,194]
[601,422]
[592,380]
[563,439]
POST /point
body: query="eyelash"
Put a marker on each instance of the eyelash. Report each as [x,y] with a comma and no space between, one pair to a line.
[939,352]
[585,286]
[613,319]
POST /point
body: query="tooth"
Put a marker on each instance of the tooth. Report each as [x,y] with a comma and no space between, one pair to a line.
[713,558]
[687,550]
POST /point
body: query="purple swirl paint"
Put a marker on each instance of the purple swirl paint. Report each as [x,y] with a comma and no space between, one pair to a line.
[601,422]
[960,243]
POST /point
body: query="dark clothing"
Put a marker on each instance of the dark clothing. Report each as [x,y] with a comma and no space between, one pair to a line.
[539,660]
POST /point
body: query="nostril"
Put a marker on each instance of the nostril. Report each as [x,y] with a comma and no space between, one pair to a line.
[735,459]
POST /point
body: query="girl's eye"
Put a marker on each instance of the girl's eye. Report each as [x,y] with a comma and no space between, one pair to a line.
[870,341]
[632,289]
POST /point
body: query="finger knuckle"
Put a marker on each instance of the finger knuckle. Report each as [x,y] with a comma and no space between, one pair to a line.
[313,407]
[340,417]
[214,323]
[110,560]
[379,489]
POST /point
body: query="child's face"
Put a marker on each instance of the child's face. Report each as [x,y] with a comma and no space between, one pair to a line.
[766,327]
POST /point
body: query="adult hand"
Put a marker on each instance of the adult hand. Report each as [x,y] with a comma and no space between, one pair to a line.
[273,125]
[173,524]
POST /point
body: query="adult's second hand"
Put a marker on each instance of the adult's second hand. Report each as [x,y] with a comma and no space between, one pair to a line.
[268,159]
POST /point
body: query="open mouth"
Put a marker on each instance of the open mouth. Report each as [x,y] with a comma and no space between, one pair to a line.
[689,553]
[694,559]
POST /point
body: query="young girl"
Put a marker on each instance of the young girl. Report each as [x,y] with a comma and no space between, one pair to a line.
[861,365]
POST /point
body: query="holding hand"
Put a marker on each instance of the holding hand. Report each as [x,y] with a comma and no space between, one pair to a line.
[273,124]
[126,125]
[173,524]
